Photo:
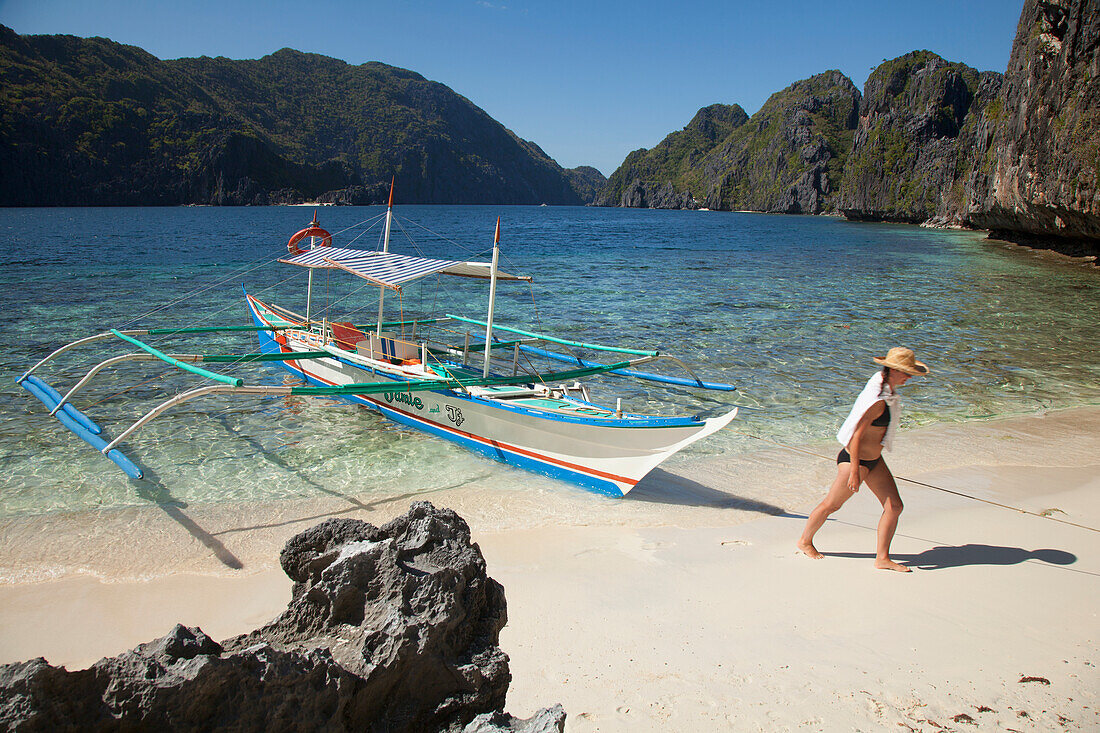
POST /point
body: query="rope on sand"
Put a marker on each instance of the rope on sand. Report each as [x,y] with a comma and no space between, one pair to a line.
[930,486]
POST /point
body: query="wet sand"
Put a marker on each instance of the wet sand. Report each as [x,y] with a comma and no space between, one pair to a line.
[686,605]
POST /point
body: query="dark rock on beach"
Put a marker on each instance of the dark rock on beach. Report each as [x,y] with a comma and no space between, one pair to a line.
[547,720]
[391,628]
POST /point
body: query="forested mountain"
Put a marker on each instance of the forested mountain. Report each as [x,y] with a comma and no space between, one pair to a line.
[90,121]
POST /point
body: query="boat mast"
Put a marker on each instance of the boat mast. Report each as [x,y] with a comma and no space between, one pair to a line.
[309,286]
[385,248]
[492,299]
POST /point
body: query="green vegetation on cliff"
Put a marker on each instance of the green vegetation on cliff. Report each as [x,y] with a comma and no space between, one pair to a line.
[790,155]
[90,121]
[671,163]
[913,146]
[785,158]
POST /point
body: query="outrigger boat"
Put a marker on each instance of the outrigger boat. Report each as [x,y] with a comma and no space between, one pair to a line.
[423,373]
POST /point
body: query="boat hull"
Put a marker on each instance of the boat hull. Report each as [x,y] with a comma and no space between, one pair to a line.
[606,455]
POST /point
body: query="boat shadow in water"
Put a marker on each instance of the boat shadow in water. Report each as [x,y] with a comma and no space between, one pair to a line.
[356,505]
[153,490]
[661,487]
[275,460]
[411,495]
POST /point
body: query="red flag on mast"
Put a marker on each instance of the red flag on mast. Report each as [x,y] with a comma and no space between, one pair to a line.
[390,204]
[496,237]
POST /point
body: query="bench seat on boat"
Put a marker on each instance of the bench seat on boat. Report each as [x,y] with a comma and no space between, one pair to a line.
[388,347]
[504,391]
[552,403]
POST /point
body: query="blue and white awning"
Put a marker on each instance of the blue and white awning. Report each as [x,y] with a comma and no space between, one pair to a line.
[389,269]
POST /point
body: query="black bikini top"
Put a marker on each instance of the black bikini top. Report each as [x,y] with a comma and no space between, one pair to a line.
[882,420]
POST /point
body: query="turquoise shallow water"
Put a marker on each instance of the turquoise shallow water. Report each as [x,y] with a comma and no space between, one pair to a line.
[790,309]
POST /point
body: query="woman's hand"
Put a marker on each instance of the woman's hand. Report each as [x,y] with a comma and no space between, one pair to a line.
[853,478]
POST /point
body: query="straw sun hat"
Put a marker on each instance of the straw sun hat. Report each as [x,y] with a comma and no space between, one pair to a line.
[903,360]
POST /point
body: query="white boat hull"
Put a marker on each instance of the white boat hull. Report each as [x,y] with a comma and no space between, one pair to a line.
[609,455]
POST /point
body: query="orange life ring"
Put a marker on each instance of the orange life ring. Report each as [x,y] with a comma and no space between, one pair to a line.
[311,231]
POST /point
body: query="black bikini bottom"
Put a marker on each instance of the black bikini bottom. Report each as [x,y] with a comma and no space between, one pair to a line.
[845,457]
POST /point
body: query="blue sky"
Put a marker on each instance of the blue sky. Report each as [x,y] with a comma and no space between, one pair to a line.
[587,81]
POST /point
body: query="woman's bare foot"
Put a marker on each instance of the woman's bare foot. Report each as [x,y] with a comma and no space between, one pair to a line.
[891,565]
[809,550]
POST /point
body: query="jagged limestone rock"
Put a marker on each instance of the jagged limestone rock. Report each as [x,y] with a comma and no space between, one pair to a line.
[789,156]
[1037,177]
[786,158]
[547,720]
[391,628]
[656,179]
[915,140]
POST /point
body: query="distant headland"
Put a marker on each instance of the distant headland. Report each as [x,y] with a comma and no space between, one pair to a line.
[927,142]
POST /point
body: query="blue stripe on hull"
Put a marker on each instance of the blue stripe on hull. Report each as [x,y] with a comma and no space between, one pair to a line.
[504,455]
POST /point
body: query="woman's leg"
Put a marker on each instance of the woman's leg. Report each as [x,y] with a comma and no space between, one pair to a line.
[838,494]
[882,485]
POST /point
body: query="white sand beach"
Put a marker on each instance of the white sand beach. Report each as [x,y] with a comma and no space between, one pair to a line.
[685,606]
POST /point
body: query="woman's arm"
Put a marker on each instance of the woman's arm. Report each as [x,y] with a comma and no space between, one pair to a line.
[873,413]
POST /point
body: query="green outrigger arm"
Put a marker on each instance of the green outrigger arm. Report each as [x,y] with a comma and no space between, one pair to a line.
[180,360]
[248,358]
[209,329]
[563,342]
[84,428]
[356,388]
[231,381]
[219,329]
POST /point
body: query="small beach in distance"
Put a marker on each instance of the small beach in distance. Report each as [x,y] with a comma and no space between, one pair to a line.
[682,606]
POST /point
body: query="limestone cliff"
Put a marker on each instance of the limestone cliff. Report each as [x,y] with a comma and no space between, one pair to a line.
[789,156]
[656,178]
[586,181]
[786,158]
[917,123]
[1036,177]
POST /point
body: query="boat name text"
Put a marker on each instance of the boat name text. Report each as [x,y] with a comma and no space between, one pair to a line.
[404,398]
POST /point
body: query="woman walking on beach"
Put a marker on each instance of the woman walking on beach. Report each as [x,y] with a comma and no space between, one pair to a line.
[870,427]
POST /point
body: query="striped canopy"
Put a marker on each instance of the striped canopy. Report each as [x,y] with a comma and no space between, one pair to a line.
[388,269]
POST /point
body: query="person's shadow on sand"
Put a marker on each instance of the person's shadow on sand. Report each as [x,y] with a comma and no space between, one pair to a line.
[957,556]
[946,556]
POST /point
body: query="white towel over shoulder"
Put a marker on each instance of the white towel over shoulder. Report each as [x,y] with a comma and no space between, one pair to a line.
[872,393]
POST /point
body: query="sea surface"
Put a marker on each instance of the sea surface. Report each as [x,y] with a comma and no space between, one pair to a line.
[789,309]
